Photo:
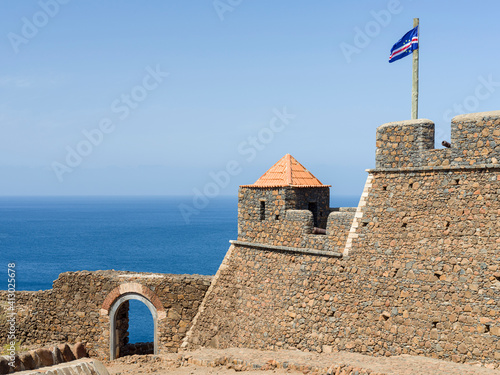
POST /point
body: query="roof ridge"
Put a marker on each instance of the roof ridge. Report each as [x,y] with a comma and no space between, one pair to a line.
[288,167]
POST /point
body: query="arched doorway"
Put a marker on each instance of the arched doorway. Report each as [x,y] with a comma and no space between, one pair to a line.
[115,307]
[118,313]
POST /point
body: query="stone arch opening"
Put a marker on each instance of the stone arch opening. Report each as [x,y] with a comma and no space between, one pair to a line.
[115,307]
[118,317]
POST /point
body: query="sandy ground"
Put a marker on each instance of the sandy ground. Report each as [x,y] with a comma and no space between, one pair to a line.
[230,361]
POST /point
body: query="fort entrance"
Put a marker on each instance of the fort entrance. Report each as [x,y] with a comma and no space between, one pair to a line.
[116,305]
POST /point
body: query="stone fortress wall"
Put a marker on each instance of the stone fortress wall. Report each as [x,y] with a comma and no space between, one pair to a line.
[413,269]
[77,309]
[420,265]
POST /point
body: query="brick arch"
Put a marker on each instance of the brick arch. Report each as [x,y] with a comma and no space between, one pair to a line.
[133,288]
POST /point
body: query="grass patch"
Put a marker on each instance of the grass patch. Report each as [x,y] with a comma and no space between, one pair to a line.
[6,348]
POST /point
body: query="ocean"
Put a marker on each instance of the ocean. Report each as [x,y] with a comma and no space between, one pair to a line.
[45,236]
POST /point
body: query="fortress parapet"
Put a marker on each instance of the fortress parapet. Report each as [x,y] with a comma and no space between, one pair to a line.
[475,141]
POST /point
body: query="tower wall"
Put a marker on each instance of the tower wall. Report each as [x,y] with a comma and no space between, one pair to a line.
[287,220]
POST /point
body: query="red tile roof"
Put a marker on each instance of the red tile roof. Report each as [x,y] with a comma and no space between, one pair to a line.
[287,172]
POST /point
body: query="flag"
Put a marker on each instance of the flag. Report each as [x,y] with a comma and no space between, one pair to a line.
[406,45]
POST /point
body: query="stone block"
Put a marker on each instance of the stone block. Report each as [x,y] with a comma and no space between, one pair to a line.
[45,356]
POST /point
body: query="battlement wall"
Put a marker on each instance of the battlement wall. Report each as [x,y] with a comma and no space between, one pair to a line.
[475,142]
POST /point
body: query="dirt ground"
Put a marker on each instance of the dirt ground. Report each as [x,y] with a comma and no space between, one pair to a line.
[230,361]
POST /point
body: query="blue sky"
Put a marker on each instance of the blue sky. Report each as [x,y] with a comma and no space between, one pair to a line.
[172,97]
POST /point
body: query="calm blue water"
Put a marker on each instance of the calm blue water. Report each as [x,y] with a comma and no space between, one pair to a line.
[45,236]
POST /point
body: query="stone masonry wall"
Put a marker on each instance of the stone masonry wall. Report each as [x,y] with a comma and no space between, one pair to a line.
[339,224]
[270,300]
[277,202]
[298,198]
[71,310]
[422,275]
[285,226]
[432,241]
[475,141]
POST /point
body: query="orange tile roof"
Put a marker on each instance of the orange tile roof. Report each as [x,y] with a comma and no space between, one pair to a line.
[287,172]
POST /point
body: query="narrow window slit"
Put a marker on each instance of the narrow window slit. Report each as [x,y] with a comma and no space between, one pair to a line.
[262,210]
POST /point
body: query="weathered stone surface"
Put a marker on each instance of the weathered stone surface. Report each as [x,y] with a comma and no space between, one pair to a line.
[28,361]
[18,365]
[66,352]
[79,350]
[45,356]
[56,353]
[78,367]
[4,366]
[36,359]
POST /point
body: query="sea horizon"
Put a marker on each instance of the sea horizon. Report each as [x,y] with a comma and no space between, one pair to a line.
[100,232]
[49,235]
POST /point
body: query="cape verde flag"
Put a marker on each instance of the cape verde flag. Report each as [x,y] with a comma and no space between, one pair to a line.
[406,45]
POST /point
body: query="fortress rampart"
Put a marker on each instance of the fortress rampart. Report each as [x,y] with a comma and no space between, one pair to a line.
[420,268]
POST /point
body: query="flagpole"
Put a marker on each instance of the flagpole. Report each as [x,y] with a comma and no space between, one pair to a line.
[414,90]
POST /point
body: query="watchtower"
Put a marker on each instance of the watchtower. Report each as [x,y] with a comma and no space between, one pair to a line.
[287,185]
